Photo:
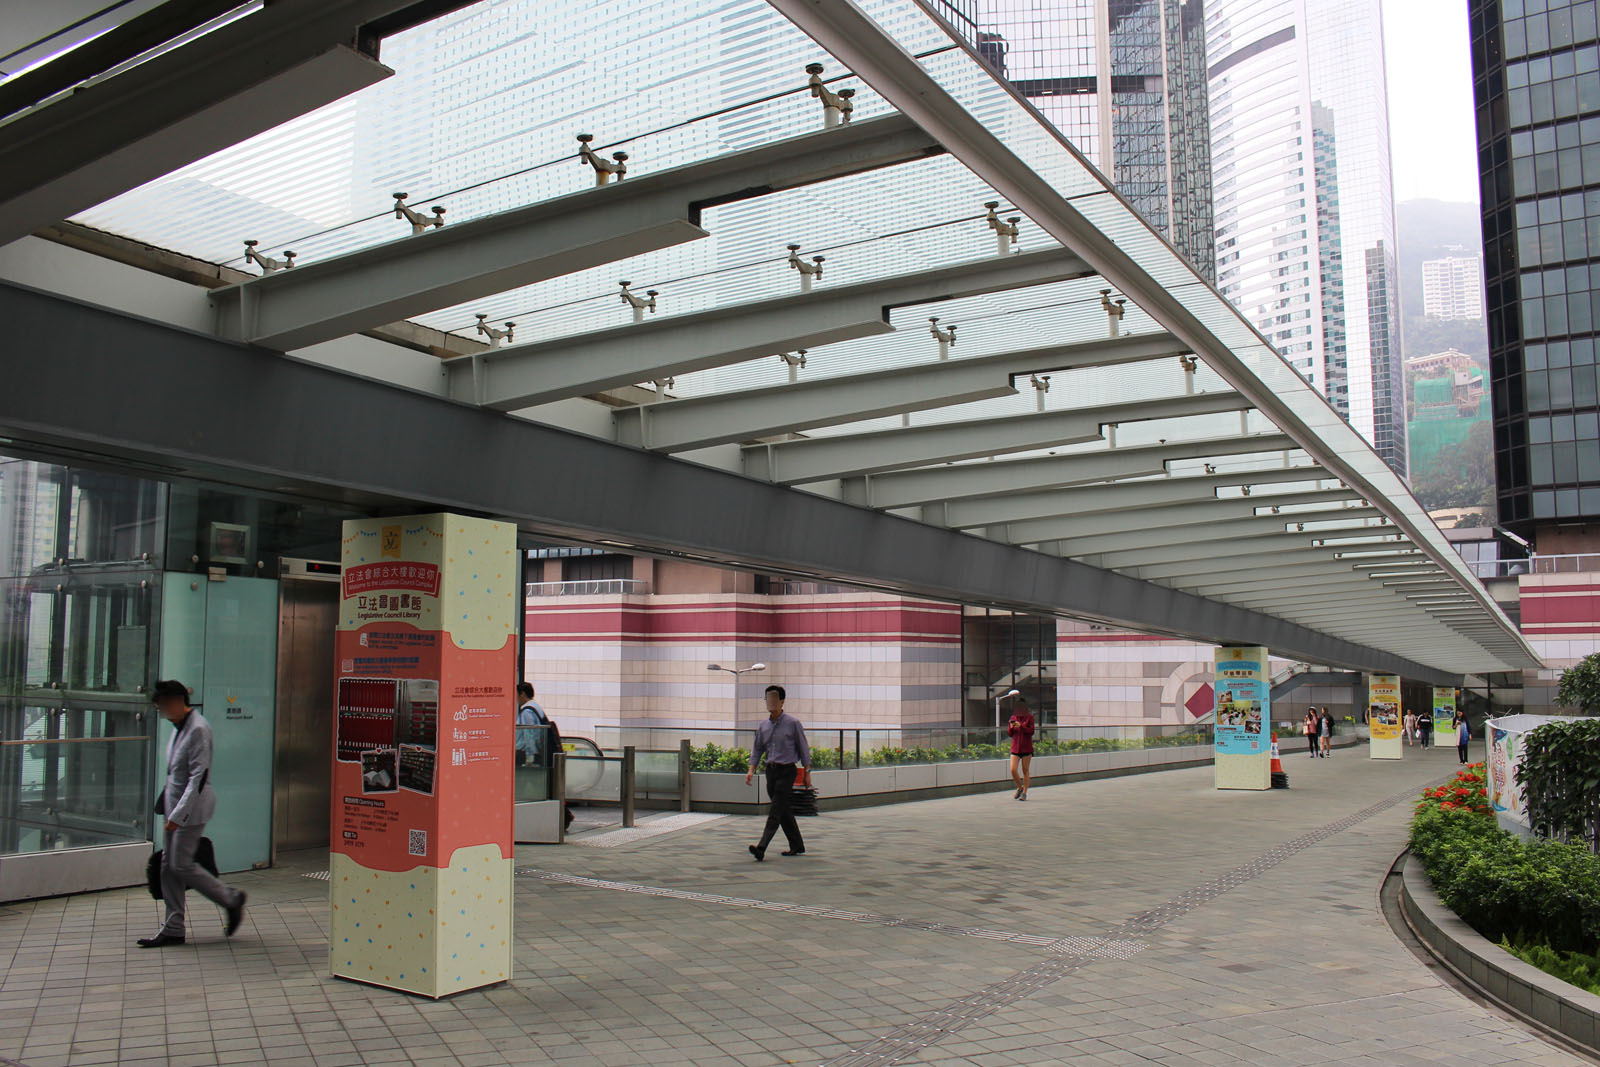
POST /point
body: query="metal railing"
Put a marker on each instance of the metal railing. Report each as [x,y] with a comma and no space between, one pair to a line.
[596,587]
[1573,563]
[728,750]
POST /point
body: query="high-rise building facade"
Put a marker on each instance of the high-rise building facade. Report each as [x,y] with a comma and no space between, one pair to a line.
[1304,197]
[1452,288]
[1537,90]
[1125,81]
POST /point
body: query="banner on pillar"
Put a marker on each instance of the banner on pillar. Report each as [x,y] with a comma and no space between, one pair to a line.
[1243,756]
[1383,716]
[1444,716]
[421,855]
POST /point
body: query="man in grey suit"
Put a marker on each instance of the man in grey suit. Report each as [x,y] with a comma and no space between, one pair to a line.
[188,802]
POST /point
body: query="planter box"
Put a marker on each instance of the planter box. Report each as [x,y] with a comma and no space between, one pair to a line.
[961,772]
[1525,989]
[915,776]
[831,783]
[713,787]
[537,822]
[872,780]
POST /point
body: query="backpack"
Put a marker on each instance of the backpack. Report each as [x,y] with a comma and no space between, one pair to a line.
[556,744]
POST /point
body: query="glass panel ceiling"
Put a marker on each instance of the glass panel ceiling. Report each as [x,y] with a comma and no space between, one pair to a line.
[482,115]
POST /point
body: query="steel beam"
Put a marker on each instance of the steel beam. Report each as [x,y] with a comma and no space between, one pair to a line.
[1118,496]
[462,261]
[1188,310]
[1181,549]
[544,371]
[1167,571]
[907,488]
[83,147]
[743,415]
[94,377]
[1253,527]
[846,455]
[1200,513]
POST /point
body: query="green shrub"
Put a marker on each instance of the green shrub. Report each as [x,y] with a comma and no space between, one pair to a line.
[1575,968]
[1535,892]
[713,757]
[1560,775]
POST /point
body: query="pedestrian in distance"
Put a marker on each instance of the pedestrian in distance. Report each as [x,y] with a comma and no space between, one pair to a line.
[1021,728]
[1425,730]
[188,802]
[1325,729]
[1410,728]
[1310,728]
[529,714]
[1463,736]
[537,747]
[782,740]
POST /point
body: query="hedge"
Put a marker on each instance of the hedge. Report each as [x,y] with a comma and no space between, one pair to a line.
[714,757]
[1528,892]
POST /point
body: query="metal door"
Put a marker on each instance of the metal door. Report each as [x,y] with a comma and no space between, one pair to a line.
[308,611]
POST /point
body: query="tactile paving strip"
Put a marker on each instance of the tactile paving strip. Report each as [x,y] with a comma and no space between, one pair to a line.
[1075,953]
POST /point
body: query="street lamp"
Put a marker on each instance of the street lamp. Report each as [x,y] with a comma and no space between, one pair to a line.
[736,672]
[1004,696]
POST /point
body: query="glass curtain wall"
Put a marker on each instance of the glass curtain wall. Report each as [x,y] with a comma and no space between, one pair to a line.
[1004,650]
[80,561]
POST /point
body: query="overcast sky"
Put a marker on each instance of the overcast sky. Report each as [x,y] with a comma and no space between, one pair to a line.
[1430,99]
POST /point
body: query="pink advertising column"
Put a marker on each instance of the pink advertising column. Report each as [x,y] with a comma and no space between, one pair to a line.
[421,856]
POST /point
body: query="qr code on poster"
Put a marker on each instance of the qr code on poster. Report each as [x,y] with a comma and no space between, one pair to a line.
[418,845]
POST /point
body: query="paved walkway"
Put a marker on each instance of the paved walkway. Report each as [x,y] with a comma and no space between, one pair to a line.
[1147,919]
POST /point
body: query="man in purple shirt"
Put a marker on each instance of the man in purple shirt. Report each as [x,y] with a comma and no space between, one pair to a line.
[783,741]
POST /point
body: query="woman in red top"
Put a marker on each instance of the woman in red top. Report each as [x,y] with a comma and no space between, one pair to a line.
[1021,730]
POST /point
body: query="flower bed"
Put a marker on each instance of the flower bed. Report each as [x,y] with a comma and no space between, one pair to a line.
[1539,899]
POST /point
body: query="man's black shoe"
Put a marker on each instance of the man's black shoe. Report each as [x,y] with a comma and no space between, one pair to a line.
[236,914]
[161,940]
[795,852]
[759,853]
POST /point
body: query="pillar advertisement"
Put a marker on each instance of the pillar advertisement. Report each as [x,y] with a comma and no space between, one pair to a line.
[1383,716]
[1243,710]
[420,861]
[1444,716]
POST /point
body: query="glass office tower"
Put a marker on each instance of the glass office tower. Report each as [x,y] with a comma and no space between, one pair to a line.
[1304,207]
[1125,81]
[1537,86]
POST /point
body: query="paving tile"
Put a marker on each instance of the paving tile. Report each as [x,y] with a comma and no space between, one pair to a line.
[898,916]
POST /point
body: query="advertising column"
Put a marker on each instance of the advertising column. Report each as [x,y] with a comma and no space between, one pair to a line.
[420,862]
[1243,709]
[1444,717]
[1383,716]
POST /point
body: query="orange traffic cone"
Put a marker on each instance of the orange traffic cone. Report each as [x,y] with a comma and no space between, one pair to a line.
[1280,777]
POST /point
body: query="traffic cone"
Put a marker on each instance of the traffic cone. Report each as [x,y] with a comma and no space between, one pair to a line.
[1280,777]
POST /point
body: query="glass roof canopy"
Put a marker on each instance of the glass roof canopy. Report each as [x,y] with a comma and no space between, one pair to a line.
[481,118]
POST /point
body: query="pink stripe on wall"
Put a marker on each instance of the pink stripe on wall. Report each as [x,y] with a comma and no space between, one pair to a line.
[876,622]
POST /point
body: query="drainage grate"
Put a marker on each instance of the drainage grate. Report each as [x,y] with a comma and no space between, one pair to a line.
[320,876]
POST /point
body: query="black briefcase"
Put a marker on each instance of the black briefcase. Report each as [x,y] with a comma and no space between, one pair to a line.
[204,854]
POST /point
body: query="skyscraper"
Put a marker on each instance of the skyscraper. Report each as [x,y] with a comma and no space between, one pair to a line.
[1536,83]
[1305,199]
[1125,81]
[1452,287]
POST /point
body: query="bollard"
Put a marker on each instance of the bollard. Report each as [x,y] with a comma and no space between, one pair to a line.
[627,784]
[683,775]
[558,792]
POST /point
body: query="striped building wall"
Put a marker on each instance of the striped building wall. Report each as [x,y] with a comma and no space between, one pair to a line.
[854,659]
[1561,620]
[1115,677]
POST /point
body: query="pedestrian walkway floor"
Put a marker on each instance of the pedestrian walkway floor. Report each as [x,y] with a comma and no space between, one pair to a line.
[1146,919]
